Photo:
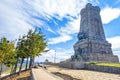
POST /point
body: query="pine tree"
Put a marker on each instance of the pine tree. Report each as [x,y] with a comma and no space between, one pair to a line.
[7,53]
[37,44]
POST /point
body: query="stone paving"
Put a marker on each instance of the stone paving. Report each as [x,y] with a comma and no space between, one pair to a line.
[85,74]
[42,74]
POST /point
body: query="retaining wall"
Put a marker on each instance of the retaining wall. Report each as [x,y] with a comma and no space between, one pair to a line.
[83,65]
[103,68]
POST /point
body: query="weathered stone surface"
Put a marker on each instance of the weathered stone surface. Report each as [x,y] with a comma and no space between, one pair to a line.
[108,69]
[83,65]
[72,64]
[91,44]
[41,74]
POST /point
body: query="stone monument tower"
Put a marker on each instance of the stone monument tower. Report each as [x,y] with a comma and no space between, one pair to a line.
[92,44]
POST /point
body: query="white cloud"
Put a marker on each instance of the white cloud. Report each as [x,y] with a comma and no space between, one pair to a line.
[65,32]
[71,28]
[57,55]
[108,14]
[62,38]
[46,55]
[49,29]
[61,7]
[19,16]
[115,41]
[117,53]
[12,22]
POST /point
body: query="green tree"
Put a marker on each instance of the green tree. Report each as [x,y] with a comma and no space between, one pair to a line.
[37,44]
[21,51]
[29,46]
[7,53]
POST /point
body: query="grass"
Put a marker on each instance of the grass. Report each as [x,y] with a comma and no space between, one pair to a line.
[105,64]
[9,70]
[6,71]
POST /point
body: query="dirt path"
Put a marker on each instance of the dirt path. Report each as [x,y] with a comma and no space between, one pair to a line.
[84,74]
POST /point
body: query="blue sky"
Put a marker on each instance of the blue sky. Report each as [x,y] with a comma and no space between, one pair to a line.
[59,21]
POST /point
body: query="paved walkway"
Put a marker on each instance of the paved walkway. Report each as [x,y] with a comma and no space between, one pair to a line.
[41,74]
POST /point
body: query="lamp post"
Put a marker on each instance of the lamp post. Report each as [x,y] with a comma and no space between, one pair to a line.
[55,57]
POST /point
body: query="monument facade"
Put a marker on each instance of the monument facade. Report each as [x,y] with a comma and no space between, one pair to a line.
[92,45]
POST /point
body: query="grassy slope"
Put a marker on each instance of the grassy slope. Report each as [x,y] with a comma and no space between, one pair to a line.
[106,64]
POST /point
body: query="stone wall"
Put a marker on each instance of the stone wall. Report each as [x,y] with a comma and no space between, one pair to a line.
[72,64]
[102,58]
[84,65]
[97,51]
[103,68]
